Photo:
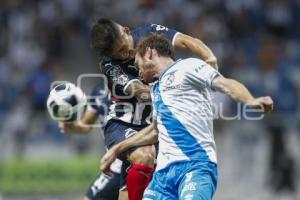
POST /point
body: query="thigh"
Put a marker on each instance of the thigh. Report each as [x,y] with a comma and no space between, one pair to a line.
[197,184]
[104,188]
[144,155]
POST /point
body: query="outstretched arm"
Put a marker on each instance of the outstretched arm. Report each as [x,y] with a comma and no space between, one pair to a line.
[198,47]
[81,127]
[146,136]
[240,93]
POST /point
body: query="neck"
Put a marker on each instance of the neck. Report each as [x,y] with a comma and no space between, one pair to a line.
[163,64]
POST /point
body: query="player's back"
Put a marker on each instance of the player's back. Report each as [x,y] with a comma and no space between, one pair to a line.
[183,109]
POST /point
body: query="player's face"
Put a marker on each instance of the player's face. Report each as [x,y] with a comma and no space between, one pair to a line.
[123,48]
[146,67]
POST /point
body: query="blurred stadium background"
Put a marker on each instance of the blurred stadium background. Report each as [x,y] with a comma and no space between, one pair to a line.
[256,42]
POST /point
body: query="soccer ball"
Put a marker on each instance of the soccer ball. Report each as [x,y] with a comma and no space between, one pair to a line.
[66,102]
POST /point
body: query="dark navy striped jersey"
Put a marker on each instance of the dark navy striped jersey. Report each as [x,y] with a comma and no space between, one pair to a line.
[99,102]
[121,73]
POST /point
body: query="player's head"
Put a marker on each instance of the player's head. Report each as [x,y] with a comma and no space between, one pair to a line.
[111,39]
[149,52]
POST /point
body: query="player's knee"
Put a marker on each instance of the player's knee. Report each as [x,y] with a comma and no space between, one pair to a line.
[143,155]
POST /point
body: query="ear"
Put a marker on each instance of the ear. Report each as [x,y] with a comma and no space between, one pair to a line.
[148,54]
[154,53]
[127,30]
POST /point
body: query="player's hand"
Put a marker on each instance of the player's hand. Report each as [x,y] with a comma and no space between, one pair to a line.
[262,102]
[107,160]
[66,127]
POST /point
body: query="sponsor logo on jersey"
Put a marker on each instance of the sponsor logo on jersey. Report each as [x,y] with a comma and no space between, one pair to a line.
[118,75]
[115,71]
[170,79]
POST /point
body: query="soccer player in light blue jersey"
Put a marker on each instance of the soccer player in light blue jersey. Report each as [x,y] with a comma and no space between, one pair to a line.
[183,121]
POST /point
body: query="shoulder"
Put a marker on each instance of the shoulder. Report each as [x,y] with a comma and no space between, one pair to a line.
[141,31]
[186,64]
[149,28]
[142,28]
[191,64]
[194,61]
[145,30]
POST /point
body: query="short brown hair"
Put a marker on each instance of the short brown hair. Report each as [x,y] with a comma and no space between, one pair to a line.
[158,42]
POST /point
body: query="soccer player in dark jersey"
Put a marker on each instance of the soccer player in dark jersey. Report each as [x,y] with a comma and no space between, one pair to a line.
[103,187]
[131,106]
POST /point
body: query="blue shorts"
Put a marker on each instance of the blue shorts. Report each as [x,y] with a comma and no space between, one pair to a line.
[190,180]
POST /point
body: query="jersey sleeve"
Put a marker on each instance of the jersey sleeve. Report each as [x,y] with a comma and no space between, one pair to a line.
[118,80]
[169,33]
[200,74]
[146,30]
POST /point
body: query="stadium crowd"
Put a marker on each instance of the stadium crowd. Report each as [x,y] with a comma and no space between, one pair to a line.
[255,41]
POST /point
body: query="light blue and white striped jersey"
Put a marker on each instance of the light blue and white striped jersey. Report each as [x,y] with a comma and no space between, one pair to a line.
[182,106]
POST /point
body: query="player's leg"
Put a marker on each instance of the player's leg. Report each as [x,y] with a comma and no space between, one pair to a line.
[140,173]
[123,192]
[198,183]
[104,188]
[141,158]
[144,155]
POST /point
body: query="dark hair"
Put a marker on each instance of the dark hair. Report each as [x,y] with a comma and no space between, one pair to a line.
[104,34]
[158,42]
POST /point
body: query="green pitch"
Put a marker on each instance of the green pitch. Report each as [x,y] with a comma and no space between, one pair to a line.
[21,177]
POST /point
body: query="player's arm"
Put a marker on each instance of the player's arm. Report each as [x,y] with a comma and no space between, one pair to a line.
[139,90]
[146,136]
[184,41]
[240,93]
[202,75]
[196,46]
[84,126]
